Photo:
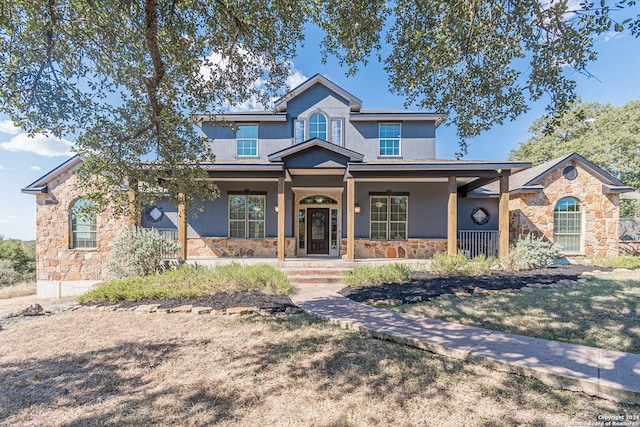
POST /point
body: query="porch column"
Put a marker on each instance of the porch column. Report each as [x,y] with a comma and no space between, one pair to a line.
[503,218]
[452,217]
[281,233]
[134,216]
[351,217]
[182,226]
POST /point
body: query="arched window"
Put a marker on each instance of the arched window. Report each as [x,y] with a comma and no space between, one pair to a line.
[318,126]
[567,225]
[82,219]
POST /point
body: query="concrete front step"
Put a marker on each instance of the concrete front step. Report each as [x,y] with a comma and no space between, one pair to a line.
[316,279]
[318,275]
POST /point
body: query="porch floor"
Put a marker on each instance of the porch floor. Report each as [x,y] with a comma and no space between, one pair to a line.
[306,262]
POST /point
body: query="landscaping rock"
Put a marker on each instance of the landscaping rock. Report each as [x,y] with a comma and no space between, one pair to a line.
[182,309]
[239,311]
[462,294]
[147,308]
[201,310]
[413,299]
[480,291]
[293,310]
[33,310]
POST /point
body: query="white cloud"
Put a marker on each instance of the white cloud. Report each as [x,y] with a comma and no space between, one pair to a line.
[35,168]
[41,144]
[8,219]
[295,79]
[611,35]
[1,168]
[7,126]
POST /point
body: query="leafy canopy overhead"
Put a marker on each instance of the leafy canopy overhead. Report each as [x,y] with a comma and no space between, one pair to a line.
[124,77]
[606,135]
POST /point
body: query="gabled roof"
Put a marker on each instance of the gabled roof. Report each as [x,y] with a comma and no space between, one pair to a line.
[528,180]
[278,156]
[354,102]
[40,185]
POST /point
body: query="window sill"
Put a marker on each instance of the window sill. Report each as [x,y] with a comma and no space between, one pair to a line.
[390,157]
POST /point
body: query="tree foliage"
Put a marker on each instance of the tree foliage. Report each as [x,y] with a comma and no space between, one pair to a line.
[123,78]
[606,135]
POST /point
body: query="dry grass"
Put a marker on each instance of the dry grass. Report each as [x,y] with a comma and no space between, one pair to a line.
[601,313]
[118,368]
[18,290]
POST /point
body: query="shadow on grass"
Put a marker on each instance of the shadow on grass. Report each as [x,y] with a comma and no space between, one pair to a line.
[601,313]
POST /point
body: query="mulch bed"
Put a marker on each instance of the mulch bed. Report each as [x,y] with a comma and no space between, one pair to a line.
[429,286]
[221,301]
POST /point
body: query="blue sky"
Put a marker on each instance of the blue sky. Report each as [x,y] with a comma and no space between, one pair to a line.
[617,74]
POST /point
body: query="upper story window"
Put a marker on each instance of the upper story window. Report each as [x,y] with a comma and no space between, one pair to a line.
[82,220]
[298,131]
[318,126]
[336,131]
[247,140]
[389,139]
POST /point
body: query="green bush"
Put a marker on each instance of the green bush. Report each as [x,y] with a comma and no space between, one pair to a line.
[448,264]
[377,275]
[190,281]
[8,276]
[531,252]
[139,252]
[17,261]
[459,264]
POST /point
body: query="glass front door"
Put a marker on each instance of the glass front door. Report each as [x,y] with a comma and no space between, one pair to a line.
[318,231]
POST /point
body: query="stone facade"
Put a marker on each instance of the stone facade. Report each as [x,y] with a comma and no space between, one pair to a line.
[202,247]
[532,213]
[56,261]
[410,248]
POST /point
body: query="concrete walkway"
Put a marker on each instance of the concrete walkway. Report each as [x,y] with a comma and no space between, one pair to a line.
[608,374]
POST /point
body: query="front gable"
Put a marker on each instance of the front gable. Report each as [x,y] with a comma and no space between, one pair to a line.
[316,153]
[313,91]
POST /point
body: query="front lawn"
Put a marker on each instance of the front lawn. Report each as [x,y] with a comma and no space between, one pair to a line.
[603,312]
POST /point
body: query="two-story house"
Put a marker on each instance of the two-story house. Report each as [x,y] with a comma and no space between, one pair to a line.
[318,176]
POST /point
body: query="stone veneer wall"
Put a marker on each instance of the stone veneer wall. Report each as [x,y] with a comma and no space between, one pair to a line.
[222,246]
[410,248]
[533,212]
[61,270]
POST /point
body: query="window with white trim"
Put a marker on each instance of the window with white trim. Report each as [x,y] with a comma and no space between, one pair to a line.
[336,131]
[318,126]
[389,134]
[388,219]
[247,140]
[567,225]
[82,221]
[298,131]
[246,216]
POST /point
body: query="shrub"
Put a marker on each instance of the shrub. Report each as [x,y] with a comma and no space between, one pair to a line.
[21,257]
[459,264]
[449,264]
[531,252]
[139,252]
[190,281]
[377,275]
[8,276]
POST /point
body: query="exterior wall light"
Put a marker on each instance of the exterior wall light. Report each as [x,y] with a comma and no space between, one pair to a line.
[356,209]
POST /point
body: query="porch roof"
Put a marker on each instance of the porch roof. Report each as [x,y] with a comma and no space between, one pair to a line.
[280,156]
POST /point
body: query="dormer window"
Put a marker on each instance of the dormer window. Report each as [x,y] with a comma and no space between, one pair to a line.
[318,126]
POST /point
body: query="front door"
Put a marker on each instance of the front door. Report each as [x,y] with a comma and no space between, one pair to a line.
[318,231]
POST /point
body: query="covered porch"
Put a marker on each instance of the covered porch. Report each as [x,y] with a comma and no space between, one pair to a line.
[320,201]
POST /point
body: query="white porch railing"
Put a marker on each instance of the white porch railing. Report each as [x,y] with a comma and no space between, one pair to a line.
[171,234]
[474,243]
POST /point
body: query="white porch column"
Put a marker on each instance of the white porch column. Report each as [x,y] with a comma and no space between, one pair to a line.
[503,218]
[452,217]
[281,246]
